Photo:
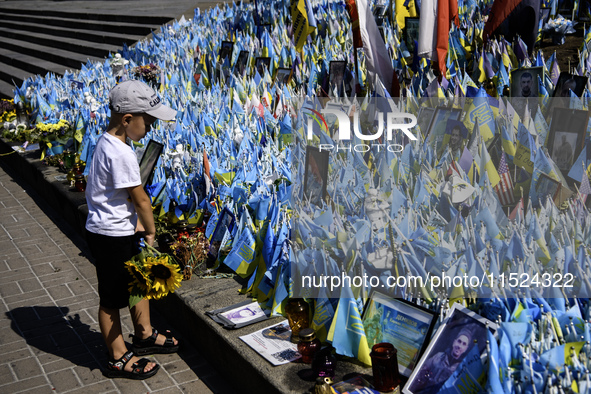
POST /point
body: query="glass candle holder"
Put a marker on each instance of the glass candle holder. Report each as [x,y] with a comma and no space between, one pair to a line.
[384,365]
[69,158]
[308,345]
[80,183]
[298,316]
[324,363]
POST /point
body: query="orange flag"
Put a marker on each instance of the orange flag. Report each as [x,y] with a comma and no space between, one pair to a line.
[447,11]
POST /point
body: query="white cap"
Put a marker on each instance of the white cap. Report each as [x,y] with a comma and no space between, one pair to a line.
[135,97]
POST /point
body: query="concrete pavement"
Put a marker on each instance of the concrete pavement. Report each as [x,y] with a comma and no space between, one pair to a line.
[49,336]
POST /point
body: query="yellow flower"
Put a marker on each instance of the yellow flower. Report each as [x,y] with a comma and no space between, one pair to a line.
[140,278]
[166,276]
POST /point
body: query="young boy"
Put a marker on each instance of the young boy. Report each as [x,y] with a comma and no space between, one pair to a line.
[116,200]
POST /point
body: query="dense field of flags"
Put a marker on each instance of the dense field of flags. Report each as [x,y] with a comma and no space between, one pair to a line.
[238,148]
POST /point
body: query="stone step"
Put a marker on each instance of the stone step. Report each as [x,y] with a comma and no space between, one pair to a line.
[66,58]
[113,27]
[64,31]
[30,64]
[13,75]
[90,16]
[69,44]
[6,90]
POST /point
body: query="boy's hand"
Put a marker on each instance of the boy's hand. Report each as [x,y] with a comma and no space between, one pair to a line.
[149,238]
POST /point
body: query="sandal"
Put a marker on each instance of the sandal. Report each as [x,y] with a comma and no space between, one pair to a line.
[148,346]
[115,368]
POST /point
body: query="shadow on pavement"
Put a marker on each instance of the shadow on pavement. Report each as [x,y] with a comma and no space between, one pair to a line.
[50,330]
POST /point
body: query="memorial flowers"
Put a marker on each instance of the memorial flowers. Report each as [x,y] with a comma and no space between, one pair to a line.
[149,72]
[60,131]
[191,250]
[155,275]
[7,111]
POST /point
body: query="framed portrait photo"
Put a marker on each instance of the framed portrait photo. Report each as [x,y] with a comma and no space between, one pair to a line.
[438,125]
[405,325]
[315,175]
[261,64]
[566,137]
[411,32]
[567,82]
[524,82]
[462,335]
[283,76]
[241,65]
[226,51]
[336,74]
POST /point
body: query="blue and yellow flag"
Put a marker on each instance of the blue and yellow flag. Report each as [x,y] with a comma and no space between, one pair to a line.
[524,149]
[346,332]
[242,254]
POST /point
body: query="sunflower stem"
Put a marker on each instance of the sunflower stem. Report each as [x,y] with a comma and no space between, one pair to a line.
[152,250]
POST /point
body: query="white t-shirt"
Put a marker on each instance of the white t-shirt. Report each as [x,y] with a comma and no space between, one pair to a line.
[114,168]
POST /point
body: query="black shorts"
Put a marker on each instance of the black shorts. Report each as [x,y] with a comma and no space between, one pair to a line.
[110,254]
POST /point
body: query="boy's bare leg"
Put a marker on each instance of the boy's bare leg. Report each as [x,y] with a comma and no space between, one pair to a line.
[140,315]
[110,325]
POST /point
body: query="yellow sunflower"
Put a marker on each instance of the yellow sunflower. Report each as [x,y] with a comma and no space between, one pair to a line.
[140,277]
[165,274]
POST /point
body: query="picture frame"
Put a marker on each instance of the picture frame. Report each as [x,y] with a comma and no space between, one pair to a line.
[583,5]
[149,160]
[566,137]
[261,29]
[455,136]
[379,13]
[524,82]
[566,82]
[262,63]
[438,124]
[547,186]
[76,85]
[411,32]
[424,120]
[405,325]
[336,75]
[544,15]
[238,315]
[468,330]
[226,50]
[283,76]
[241,65]
[315,175]
[225,222]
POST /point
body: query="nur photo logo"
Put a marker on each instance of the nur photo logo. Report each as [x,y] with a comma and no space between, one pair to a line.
[379,129]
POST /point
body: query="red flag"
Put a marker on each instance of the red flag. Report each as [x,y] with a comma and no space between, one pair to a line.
[206,164]
[499,12]
[354,15]
[447,11]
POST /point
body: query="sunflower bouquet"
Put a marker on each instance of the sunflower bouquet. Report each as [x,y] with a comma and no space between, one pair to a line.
[154,275]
